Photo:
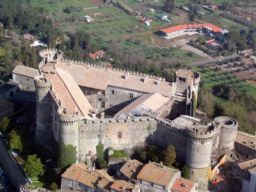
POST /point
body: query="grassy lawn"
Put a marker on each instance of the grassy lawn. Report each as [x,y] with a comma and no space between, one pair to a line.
[118,154]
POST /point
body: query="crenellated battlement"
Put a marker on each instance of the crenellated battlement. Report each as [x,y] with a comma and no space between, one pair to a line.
[226,122]
[67,119]
[126,73]
[51,55]
[202,133]
[112,120]
[42,83]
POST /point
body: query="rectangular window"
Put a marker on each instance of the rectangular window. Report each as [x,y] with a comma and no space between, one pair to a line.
[119,135]
[131,95]
[113,92]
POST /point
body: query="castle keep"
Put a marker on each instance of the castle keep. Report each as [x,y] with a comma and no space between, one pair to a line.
[82,105]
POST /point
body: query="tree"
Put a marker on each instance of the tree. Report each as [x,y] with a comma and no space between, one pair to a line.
[67,156]
[4,124]
[15,141]
[54,186]
[33,166]
[100,161]
[170,156]
[185,172]
[169,6]
[100,151]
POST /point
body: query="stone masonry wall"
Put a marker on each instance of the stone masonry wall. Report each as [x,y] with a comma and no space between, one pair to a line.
[122,134]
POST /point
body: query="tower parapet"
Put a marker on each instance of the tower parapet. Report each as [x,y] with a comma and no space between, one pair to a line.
[228,132]
[50,55]
[199,151]
[43,110]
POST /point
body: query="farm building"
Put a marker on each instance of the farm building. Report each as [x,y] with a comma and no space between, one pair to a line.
[191,29]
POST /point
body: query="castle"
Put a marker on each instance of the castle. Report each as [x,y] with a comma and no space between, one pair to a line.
[83,105]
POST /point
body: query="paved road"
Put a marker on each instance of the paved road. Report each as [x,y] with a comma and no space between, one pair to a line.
[208,61]
[11,167]
[183,44]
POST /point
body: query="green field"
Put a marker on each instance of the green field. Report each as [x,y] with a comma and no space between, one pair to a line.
[212,78]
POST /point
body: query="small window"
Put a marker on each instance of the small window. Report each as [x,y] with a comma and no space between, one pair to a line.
[131,95]
[113,92]
[119,135]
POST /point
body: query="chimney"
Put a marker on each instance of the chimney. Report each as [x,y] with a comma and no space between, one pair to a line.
[145,78]
[126,75]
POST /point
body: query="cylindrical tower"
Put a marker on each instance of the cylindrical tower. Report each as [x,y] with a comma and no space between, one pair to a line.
[43,111]
[199,151]
[228,132]
[69,131]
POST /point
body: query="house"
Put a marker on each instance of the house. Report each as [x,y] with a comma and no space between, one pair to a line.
[79,177]
[97,55]
[191,29]
[28,37]
[246,173]
[37,43]
[146,21]
[88,19]
[213,44]
[157,177]
[130,170]
[184,185]
[24,77]
[124,186]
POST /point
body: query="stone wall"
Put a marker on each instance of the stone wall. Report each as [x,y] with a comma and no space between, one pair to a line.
[25,83]
[116,95]
[117,134]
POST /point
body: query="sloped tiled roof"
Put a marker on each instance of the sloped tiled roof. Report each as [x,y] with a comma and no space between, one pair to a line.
[92,178]
[101,78]
[182,185]
[67,91]
[151,102]
[157,174]
[123,186]
[25,71]
[131,168]
[210,26]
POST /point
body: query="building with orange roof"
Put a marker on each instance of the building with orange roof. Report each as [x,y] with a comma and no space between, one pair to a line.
[157,177]
[130,170]
[190,29]
[124,186]
[184,185]
[79,177]
[97,55]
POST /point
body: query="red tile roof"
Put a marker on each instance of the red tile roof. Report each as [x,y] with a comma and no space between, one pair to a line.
[182,185]
[212,27]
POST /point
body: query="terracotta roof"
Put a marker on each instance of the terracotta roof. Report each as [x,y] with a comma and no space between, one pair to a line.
[82,174]
[25,71]
[101,78]
[182,185]
[131,168]
[210,26]
[151,102]
[98,54]
[157,174]
[67,91]
[28,37]
[123,186]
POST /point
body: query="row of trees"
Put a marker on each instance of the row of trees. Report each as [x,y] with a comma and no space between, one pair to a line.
[157,154]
